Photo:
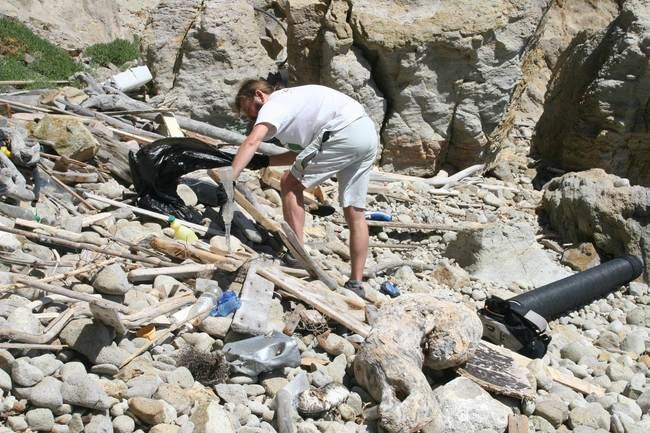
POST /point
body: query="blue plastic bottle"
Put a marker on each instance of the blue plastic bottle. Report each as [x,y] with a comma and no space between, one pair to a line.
[390,289]
[379,216]
[227,303]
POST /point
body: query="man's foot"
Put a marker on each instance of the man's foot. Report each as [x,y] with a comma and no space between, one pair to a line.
[290,262]
[355,286]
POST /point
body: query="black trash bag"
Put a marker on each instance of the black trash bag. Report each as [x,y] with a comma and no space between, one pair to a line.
[156,168]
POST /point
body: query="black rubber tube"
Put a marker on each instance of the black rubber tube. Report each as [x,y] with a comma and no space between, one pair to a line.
[560,297]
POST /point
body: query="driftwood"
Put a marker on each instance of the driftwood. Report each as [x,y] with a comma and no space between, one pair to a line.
[298,251]
[421,226]
[383,267]
[409,333]
[180,271]
[53,329]
[182,250]
[83,246]
[434,181]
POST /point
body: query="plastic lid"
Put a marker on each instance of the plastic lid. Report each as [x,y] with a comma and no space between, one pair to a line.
[171,218]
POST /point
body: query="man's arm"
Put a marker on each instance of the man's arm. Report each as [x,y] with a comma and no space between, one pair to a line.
[248,148]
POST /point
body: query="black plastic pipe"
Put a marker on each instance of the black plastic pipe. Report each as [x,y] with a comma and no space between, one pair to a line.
[560,297]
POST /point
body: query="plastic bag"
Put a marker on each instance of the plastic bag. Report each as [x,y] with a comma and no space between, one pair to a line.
[156,168]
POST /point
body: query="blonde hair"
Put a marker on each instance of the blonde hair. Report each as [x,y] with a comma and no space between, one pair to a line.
[248,89]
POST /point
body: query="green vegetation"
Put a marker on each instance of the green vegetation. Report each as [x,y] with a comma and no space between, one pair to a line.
[117,52]
[25,56]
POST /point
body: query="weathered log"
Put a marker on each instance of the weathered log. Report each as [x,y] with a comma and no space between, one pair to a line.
[12,182]
[410,332]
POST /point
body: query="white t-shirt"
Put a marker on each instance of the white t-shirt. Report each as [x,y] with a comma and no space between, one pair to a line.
[298,115]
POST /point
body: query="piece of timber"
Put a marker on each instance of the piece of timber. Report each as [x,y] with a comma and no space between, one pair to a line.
[565,379]
[325,304]
[497,372]
[109,317]
[179,272]
[169,125]
[517,424]
[29,346]
[256,296]
[92,299]
[82,246]
[183,250]
[296,248]
[291,323]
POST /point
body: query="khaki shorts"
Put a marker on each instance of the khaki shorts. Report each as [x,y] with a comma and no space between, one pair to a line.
[347,154]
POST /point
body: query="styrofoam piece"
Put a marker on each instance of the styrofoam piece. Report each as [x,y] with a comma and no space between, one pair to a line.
[132,78]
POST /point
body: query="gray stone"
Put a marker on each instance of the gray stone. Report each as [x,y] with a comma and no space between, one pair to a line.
[634,343]
[644,402]
[40,419]
[6,360]
[69,136]
[216,327]
[111,280]
[123,424]
[591,415]
[47,363]
[211,417]
[576,350]
[175,396]
[540,424]
[231,393]
[619,372]
[554,411]
[5,381]
[462,399]
[17,423]
[99,424]
[70,370]
[105,369]
[143,386]
[22,319]
[93,340]
[25,374]
[181,377]
[46,394]
[83,391]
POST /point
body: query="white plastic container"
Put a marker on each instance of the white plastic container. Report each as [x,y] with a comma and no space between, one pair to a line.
[132,78]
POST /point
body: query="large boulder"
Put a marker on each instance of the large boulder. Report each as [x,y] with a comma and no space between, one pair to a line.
[447,70]
[596,110]
[202,51]
[593,206]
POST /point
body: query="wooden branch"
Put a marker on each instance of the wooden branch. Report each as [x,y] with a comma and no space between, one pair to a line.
[298,251]
[28,82]
[50,333]
[296,288]
[64,275]
[382,267]
[67,188]
[93,299]
[182,250]
[178,272]
[29,346]
[434,181]
[81,246]
[62,233]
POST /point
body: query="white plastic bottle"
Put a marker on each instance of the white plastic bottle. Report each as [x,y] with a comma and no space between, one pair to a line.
[205,303]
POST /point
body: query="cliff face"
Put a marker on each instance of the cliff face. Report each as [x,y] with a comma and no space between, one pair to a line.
[449,83]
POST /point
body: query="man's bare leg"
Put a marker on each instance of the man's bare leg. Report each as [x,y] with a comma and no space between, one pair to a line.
[356,219]
[293,205]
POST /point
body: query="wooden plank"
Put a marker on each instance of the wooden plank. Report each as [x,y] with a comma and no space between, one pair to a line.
[169,125]
[181,250]
[565,379]
[326,303]
[28,346]
[256,296]
[517,424]
[292,321]
[498,372]
[298,251]
[178,272]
